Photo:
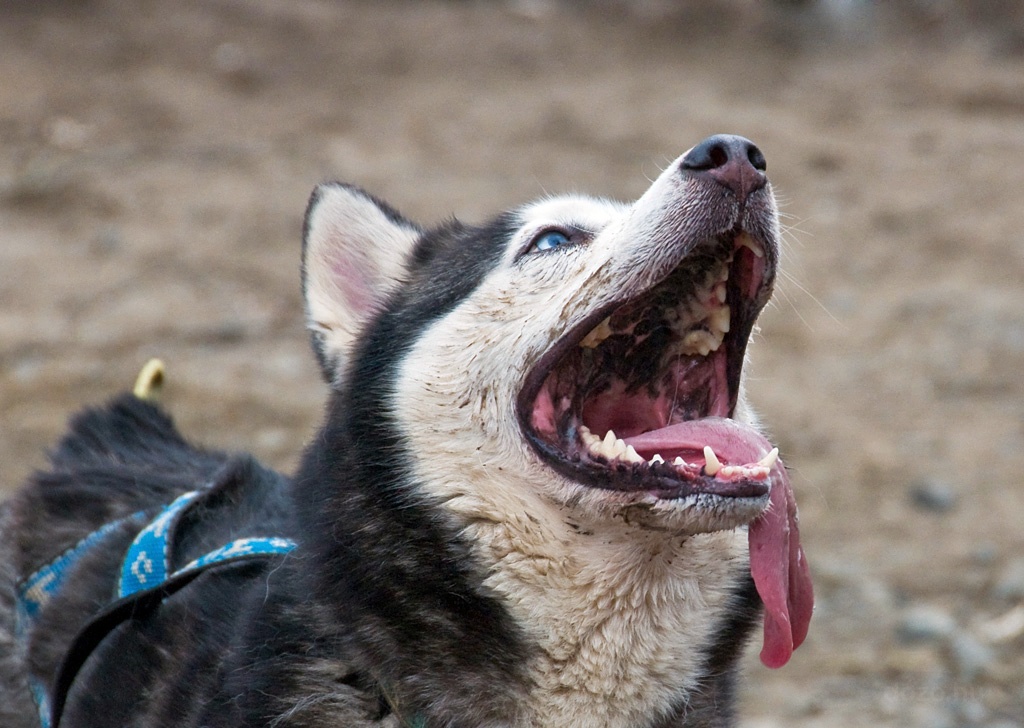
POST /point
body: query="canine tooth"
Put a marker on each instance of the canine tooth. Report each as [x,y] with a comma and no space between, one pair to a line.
[631,455]
[712,464]
[598,334]
[748,242]
[657,459]
[612,446]
[768,461]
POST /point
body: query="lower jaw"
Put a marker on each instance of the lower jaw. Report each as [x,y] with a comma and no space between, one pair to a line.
[666,513]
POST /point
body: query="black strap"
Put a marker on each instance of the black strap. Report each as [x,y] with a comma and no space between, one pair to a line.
[134,606]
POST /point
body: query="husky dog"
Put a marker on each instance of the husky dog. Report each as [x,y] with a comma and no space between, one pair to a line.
[538,498]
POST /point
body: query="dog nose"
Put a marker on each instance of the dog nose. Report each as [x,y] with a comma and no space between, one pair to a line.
[731,160]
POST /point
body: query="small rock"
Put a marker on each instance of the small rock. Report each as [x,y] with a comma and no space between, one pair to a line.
[925,624]
[230,58]
[970,711]
[236,66]
[27,370]
[932,717]
[106,242]
[67,133]
[984,553]
[972,658]
[933,495]
[1010,584]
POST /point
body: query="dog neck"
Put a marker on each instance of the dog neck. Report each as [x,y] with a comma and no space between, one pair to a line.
[620,618]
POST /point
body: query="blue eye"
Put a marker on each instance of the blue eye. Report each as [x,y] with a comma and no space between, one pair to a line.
[550,239]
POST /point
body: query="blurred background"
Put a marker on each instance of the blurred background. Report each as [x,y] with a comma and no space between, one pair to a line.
[156,158]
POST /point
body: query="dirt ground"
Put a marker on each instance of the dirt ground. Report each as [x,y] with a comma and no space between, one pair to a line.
[155,159]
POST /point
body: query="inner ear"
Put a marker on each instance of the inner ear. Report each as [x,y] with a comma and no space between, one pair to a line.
[355,251]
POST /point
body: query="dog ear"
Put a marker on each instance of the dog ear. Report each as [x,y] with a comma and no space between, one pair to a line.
[354,254]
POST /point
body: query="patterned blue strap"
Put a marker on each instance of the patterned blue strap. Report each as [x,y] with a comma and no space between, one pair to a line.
[148,559]
[240,548]
[145,601]
[147,563]
[145,579]
[37,590]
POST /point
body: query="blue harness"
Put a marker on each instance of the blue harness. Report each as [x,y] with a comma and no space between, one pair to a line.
[146,579]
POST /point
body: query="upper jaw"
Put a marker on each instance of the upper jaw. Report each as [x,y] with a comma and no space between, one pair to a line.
[638,397]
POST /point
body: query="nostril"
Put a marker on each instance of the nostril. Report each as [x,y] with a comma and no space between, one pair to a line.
[733,161]
[717,156]
[717,151]
[756,158]
[709,154]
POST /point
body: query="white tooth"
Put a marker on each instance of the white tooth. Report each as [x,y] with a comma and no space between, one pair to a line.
[720,292]
[679,462]
[693,338]
[728,471]
[748,242]
[700,342]
[657,459]
[768,461]
[712,464]
[599,333]
[631,455]
[588,438]
[719,320]
[612,446]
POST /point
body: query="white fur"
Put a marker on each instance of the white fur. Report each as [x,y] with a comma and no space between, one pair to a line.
[618,591]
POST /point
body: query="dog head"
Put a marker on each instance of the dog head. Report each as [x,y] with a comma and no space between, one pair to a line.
[575,361]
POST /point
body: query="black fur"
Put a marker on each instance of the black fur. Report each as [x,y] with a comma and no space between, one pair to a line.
[450,649]
[380,606]
[379,616]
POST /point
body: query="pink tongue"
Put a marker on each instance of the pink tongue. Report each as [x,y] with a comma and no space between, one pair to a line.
[781,574]
[777,561]
[733,443]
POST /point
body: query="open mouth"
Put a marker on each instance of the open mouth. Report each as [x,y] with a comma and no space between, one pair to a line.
[641,395]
